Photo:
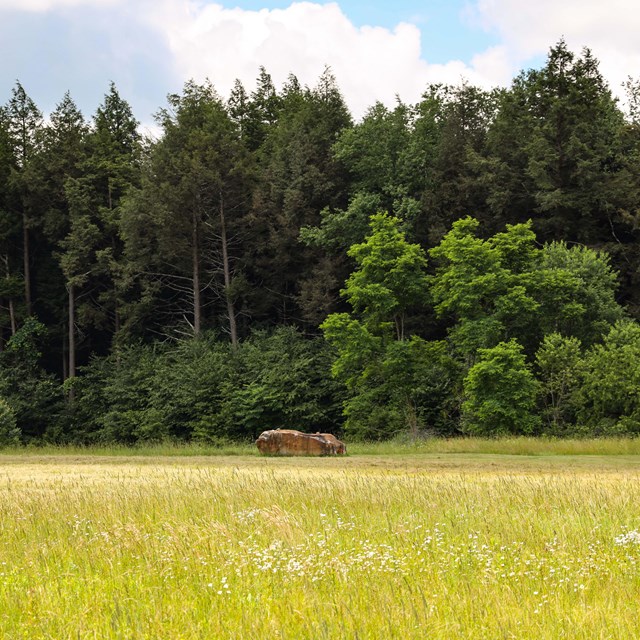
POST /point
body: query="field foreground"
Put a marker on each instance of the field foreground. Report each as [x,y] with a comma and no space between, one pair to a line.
[422,546]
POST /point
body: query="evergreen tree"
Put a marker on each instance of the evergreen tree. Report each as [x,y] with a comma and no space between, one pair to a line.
[92,256]
[183,227]
[298,179]
[12,286]
[448,147]
[24,122]
[555,148]
[57,167]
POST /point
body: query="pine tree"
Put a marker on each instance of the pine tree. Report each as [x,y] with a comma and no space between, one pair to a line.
[24,122]
[183,224]
[554,149]
[110,170]
[298,178]
[60,160]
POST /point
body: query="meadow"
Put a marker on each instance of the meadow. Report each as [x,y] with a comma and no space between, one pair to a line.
[399,543]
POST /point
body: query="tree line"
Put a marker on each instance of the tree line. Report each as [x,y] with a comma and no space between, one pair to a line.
[466,264]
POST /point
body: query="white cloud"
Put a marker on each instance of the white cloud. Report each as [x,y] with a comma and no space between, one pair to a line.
[370,63]
[495,64]
[153,46]
[527,29]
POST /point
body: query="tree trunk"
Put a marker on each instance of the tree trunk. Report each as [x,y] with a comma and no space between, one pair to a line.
[399,322]
[27,268]
[65,353]
[72,338]
[72,332]
[227,278]
[12,316]
[116,306]
[12,309]
[197,303]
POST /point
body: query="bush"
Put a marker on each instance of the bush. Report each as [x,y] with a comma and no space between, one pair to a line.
[609,396]
[559,362]
[500,393]
[9,432]
[203,389]
[34,396]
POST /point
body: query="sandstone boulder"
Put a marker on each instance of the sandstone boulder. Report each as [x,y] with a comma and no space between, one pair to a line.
[288,442]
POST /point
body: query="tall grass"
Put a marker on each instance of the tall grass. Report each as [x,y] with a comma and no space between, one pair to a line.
[526,446]
[300,549]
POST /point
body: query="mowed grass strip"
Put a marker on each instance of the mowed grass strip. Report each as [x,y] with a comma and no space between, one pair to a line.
[473,546]
[402,446]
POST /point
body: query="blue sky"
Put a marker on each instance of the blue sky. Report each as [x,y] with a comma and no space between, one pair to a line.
[377,50]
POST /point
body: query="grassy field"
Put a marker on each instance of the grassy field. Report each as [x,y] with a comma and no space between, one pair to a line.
[525,446]
[416,544]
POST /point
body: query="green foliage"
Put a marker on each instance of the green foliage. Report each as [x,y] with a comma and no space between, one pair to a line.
[390,375]
[195,191]
[278,380]
[341,229]
[33,395]
[9,431]
[609,394]
[389,278]
[424,380]
[555,148]
[506,287]
[202,389]
[377,152]
[559,362]
[589,307]
[483,285]
[246,217]
[500,393]
[299,177]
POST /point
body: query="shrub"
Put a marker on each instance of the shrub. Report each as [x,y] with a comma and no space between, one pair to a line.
[9,432]
[609,397]
[500,393]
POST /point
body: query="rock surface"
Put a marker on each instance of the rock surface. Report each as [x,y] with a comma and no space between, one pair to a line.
[288,442]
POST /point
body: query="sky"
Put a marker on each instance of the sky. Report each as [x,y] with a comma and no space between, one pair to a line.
[378,50]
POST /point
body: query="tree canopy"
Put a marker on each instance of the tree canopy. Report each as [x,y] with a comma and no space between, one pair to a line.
[465,264]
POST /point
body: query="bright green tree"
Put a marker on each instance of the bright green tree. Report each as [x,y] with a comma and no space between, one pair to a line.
[482,285]
[500,393]
[508,287]
[586,306]
[390,278]
[559,363]
[377,359]
[609,394]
